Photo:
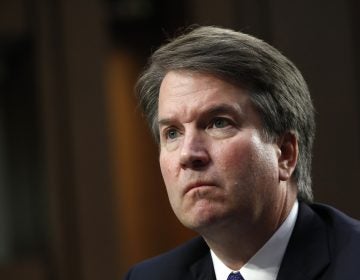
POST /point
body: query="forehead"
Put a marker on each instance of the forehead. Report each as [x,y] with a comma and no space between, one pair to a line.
[181,90]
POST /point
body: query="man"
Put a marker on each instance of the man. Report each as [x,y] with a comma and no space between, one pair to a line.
[235,125]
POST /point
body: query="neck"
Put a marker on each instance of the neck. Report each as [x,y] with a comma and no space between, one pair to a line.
[235,243]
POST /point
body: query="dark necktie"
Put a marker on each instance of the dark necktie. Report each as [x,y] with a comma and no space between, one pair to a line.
[235,276]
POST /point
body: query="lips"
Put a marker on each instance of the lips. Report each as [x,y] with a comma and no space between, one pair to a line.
[198,184]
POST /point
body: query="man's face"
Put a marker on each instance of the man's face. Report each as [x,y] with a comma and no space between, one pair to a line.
[216,165]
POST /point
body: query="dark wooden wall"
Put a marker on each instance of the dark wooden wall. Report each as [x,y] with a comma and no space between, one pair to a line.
[98,203]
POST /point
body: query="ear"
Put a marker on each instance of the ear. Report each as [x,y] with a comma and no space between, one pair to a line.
[288,155]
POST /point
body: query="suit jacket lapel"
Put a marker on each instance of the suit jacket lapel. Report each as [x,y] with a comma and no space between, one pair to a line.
[203,268]
[307,254]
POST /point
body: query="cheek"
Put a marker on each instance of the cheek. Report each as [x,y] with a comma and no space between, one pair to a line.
[232,155]
[247,158]
[167,168]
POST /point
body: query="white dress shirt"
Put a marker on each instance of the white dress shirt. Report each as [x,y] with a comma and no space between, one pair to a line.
[265,264]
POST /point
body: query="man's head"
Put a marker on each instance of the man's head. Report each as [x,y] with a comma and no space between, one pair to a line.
[276,88]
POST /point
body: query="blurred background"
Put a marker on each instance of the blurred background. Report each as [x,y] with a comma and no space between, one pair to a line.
[81,196]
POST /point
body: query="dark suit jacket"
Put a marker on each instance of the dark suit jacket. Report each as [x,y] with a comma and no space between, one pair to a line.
[325,244]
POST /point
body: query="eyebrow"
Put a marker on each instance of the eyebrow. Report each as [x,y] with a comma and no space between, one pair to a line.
[223,108]
[212,110]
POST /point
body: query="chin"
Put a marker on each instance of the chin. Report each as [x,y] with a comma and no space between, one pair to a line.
[201,220]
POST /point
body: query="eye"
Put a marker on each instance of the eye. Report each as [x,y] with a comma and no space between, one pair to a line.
[171,133]
[220,123]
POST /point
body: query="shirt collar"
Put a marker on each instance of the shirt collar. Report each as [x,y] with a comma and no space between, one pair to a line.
[266,262]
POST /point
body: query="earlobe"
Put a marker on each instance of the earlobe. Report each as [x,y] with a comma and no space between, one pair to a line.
[288,146]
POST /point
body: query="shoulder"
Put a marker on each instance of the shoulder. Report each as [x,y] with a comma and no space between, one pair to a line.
[343,238]
[343,231]
[175,262]
[324,245]
[336,220]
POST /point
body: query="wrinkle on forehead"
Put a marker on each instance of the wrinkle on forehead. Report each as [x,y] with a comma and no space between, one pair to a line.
[184,92]
[188,79]
[209,109]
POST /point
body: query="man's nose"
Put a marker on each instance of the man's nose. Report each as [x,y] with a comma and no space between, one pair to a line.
[194,153]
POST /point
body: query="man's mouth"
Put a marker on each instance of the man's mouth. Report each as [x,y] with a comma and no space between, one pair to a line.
[198,185]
